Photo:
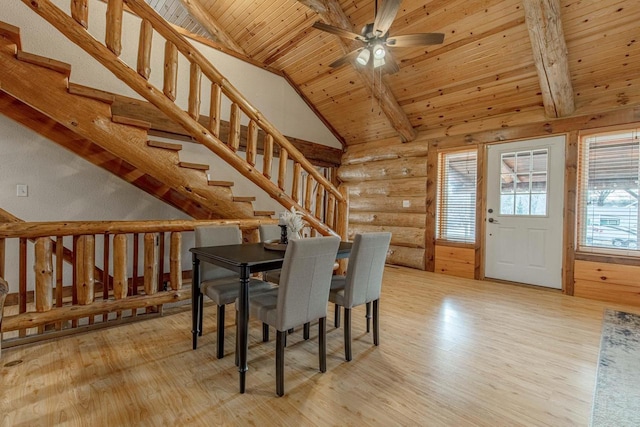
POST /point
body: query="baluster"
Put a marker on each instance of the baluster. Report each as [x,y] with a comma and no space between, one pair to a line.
[2,257]
[175,260]
[134,279]
[319,207]
[85,263]
[80,12]
[342,225]
[22,281]
[282,169]
[43,269]
[331,209]
[267,158]
[161,261]
[120,281]
[106,249]
[252,142]
[59,272]
[150,264]
[234,127]
[144,49]
[214,110]
[113,36]
[74,279]
[308,193]
[195,77]
[297,177]
[170,70]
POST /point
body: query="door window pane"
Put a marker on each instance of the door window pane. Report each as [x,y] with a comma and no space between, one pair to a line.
[526,173]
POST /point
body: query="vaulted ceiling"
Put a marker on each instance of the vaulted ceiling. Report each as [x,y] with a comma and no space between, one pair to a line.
[502,63]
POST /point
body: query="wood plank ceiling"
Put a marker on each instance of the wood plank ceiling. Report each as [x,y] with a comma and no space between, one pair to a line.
[482,77]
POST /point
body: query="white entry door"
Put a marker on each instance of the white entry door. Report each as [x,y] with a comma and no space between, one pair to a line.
[525,192]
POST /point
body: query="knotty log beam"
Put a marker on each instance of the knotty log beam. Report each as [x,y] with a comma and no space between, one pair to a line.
[550,56]
[331,12]
[209,23]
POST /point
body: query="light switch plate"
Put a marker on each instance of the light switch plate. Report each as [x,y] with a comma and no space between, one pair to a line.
[406,203]
[22,190]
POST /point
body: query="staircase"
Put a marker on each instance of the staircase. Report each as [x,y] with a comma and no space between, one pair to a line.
[122,145]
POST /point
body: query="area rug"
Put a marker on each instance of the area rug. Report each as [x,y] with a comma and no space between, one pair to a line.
[616,400]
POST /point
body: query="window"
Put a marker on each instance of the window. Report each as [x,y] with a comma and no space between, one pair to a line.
[608,192]
[523,183]
[456,219]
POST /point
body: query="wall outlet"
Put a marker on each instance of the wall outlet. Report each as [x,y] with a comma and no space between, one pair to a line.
[406,203]
[22,190]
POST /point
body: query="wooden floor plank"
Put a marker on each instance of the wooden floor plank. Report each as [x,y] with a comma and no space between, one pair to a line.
[453,352]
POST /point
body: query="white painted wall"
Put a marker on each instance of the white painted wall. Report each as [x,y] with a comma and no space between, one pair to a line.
[62,186]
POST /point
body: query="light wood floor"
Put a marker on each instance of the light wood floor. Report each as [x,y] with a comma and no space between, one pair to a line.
[453,352]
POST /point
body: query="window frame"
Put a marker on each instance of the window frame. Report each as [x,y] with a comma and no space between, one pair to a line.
[583,219]
[440,226]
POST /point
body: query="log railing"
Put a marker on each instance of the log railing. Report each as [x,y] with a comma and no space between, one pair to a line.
[58,300]
[202,74]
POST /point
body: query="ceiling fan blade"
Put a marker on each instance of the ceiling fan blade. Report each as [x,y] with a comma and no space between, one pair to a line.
[409,40]
[337,31]
[346,59]
[385,16]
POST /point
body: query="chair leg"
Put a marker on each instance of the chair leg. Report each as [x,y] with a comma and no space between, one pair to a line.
[322,341]
[220,343]
[200,313]
[368,316]
[347,334]
[265,332]
[280,339]
[336,316]
[305,331]
[376,322]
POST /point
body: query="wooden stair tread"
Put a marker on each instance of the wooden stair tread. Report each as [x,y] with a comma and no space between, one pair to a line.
[220,183]
[244,199]
[164,145]
[264,213]
[10,33]
[88,92]
[52,64]
[131,122]
[197,166]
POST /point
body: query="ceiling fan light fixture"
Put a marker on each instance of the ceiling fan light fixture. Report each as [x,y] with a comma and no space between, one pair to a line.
[378,51]
[363,57]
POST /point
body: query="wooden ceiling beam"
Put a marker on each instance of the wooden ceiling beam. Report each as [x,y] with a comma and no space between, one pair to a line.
[202,15]
[331,13]
[550,56]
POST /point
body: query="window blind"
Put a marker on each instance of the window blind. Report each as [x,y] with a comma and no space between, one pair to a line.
[608,191]
[456,218]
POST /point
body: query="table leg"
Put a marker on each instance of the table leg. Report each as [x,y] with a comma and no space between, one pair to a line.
[243,326]
[195,296]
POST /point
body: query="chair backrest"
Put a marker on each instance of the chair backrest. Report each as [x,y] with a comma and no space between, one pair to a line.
[216,235]
[305,281]
[366,265]
[269,232]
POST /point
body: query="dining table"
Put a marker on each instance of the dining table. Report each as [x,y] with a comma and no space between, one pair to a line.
[244,259]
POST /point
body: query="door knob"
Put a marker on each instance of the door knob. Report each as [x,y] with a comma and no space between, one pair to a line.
[493,221]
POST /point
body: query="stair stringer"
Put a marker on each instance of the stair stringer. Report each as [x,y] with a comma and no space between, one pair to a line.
[91,119]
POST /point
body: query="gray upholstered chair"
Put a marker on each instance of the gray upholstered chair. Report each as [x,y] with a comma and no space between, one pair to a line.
[301,296]
[362,283]
[4,290]
[270,232]
[220,284]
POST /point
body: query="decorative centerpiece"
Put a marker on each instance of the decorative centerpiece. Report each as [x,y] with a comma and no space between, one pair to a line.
[291,224]
[291,221]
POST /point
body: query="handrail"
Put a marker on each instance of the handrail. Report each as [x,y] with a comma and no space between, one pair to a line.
[108,57]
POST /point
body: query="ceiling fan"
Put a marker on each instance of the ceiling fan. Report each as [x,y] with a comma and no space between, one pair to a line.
[376,39]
